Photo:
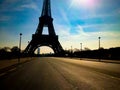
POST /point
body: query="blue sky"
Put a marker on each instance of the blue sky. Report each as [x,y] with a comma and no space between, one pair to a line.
[75,21]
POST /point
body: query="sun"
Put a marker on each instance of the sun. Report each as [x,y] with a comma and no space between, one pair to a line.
[82,3]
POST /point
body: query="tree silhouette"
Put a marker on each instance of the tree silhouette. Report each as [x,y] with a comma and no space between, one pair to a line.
[5,53]
[15,51]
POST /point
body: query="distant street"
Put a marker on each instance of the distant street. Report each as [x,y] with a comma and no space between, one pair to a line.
[49,73]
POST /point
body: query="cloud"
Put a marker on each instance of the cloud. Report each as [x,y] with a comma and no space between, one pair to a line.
[4,18]
[62,30]
[102,26]
[81,31]
[29,6]
[101,15]
[17,5]
[117,11]
[8,5]
[64,16]
[89,39]
[9,1]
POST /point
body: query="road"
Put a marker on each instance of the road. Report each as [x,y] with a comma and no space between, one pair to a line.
[50,73]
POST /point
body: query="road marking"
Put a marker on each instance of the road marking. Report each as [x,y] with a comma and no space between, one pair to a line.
[12,69]
[6,72]
[2,74]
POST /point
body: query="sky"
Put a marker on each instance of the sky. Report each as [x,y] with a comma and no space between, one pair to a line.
[75,22]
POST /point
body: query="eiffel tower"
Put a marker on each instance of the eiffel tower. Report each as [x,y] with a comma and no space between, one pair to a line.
[39,39]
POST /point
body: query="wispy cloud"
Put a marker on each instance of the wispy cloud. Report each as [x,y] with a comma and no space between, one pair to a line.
[101,15]
[117,11]
[64,16]
[30,5]
[80,31]
[103,26]
[18,5]
[89,39]
[4,18]
[9,1]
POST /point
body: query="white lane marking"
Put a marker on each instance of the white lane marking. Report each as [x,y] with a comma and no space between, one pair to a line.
[12,69]
[2,74]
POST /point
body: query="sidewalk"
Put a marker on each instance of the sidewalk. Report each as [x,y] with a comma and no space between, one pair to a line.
[8,63]
[103,60]
[97,60]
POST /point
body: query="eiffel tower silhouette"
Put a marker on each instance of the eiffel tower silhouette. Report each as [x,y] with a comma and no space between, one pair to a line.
[39,39]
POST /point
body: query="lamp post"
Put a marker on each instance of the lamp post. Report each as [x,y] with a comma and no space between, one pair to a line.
[99,41]
[19,48]
[99,48]
[71,52]
[80,46]
[81,50]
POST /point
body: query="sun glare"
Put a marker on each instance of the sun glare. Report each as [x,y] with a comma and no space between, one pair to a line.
[82,3]
[44,50]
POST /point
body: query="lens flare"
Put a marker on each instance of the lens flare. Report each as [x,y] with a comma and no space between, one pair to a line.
[82,3]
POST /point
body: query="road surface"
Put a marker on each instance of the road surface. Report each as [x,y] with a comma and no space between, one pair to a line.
[49,73]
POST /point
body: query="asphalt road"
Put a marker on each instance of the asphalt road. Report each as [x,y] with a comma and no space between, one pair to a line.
[62,74]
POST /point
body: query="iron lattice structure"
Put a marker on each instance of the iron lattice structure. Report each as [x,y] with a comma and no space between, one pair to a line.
[50,40]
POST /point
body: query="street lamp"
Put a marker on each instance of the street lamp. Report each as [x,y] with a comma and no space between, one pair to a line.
[99,48]
[81,50]
[71,52]
[99,41]
[71,49]
[80,46]
[20,47]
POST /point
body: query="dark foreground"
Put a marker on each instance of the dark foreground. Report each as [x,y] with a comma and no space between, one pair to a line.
[62,74]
